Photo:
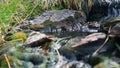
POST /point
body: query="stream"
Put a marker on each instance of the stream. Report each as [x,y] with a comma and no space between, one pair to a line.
[57,39]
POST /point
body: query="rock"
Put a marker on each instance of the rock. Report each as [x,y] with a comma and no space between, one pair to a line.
[76,64]
[83,51]
[55,20]
[115,31]
[112,24]
[111,21]
[90,38]
[65,63]
[37,39]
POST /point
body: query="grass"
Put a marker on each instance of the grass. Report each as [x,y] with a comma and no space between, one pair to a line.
[15,11]
[12,11]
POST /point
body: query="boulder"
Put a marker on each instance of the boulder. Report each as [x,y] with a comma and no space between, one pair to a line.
[37,39]
[55,20]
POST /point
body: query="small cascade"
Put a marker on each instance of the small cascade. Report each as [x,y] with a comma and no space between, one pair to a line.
[112,12]
[113,9]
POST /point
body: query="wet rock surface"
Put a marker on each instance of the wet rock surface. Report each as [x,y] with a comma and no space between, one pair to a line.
[58,51]
[42,51]
[53,21]
[37,39]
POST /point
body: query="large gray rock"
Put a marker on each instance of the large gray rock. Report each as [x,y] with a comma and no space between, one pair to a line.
[55,19]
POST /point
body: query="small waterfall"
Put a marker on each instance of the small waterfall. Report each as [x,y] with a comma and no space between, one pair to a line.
[119,11]
[112,12]
[113,9]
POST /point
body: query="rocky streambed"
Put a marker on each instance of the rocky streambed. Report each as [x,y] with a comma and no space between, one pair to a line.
[65,39]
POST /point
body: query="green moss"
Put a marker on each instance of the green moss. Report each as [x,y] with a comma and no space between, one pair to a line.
[36,26]
[17,35]
[48,23]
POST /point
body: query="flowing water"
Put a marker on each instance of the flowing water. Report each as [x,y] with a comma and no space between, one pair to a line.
[112,6]
[33,57]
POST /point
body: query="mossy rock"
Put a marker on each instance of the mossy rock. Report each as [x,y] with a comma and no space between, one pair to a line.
[58,18]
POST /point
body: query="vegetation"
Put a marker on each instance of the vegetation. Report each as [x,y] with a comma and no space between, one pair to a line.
[13,12]
[16,11]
